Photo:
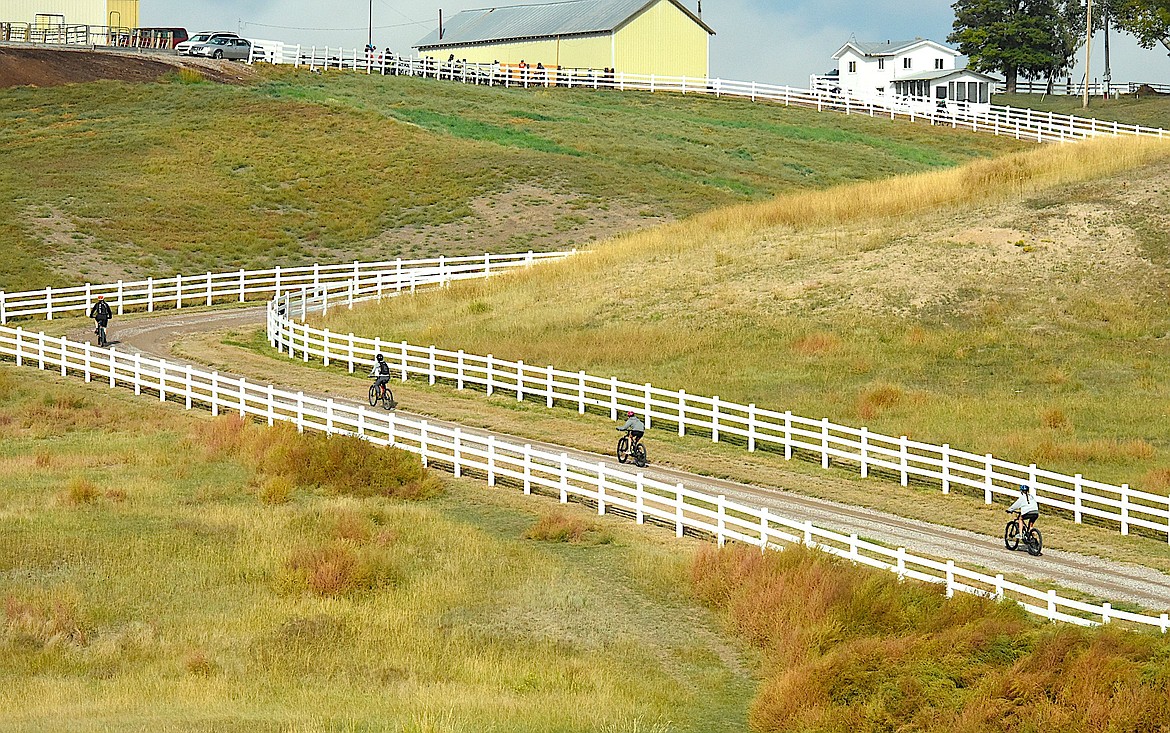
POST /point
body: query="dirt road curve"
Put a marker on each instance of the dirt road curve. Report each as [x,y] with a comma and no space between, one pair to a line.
[1108,580]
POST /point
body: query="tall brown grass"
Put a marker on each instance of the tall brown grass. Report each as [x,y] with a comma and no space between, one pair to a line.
[339,464]
[559,527]
[851,649]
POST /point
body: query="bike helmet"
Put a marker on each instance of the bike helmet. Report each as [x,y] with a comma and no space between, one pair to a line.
[381,358]
[630,413]
[1023,488]
[101,297]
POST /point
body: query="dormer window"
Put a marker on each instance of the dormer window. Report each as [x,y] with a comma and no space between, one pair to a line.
[852,67]
[938,64]
[906,63]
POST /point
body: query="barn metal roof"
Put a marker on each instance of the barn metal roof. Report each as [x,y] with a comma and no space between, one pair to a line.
[566,18]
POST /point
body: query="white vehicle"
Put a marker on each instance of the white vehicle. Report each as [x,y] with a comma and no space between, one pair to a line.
[187,47]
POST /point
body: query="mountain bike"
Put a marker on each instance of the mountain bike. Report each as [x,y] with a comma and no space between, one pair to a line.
[1033,541]
[100,330]
[638,454]
[383,395]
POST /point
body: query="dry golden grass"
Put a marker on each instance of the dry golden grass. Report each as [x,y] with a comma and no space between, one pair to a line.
[559,527]
[80,491]
[852,649]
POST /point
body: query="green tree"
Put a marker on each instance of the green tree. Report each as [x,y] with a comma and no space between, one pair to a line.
[1012,37]
[1146,20]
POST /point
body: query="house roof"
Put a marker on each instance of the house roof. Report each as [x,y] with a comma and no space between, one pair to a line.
[566,18]
[890,48]
[940,74]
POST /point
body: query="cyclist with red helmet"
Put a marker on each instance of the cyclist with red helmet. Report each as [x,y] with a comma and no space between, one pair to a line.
[635,427]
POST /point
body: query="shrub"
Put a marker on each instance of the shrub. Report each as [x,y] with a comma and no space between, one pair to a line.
[1054,417]
[337,568]
[559,527]
[875,399]
[276,490]
[188,75]
[80,490]
[816,344]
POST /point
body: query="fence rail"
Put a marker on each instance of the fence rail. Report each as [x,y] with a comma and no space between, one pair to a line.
[1022,124]
[242,285]
[751,426]
[536,471]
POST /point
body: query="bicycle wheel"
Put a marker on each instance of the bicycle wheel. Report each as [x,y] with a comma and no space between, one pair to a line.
[373,395]
[1035,542]
[1011,535]
[623,449]
[388,399]
[640,455]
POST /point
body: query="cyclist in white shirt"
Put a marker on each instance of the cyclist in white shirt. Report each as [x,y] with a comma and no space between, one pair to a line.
[1027,507]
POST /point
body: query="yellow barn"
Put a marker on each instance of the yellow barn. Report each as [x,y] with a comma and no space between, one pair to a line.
[48,13]
[661,37]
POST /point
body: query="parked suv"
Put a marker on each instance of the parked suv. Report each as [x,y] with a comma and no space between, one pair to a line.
[187,47]
[223,47]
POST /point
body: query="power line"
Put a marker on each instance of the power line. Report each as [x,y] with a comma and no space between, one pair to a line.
[298,28]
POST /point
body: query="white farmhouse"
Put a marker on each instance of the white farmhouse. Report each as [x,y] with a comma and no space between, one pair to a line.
[919,74]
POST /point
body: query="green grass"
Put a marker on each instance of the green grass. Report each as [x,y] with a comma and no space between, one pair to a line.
[1152,111]
[1017,310]
[148,581]
[110,180]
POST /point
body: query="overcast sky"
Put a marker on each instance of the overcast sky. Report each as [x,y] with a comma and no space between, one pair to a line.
[781,41]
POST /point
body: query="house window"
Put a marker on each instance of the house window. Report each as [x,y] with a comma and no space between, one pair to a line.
[852,67]
[938,63]
[906,63]
[881,64]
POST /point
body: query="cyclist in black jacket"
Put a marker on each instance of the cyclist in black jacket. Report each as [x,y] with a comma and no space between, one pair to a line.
[101,313]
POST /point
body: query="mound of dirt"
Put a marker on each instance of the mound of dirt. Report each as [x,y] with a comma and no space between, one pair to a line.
[43,67]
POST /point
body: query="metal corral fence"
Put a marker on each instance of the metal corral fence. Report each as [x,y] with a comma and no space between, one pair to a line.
[1022,124]
[748,425]
[537,471]
[60,34]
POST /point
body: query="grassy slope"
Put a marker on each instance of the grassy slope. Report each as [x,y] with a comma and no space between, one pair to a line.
[1146,111]
[146,585]
[110,179]
[933,307]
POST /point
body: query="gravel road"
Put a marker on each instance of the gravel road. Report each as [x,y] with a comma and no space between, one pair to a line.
[1106,579]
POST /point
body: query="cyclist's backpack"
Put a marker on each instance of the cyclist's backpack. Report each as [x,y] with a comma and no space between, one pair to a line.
[383,369]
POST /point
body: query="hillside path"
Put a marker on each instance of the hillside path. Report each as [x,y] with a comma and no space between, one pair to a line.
[1105,579]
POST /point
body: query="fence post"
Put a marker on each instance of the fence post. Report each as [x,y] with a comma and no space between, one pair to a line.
[431,363]
[1125,509]
[150,295]
[391,425]
[999,586]
[600,489]
[527,468]
[950,578]
[519,381]
[751,427]
[351,354]
[87,357]
[613,405]
[564,478]
[1078,490]
[902,458]
[853,552]
[763,529]
[549,398]
[488,371]
[787,435]
[649,405]
[455,454]
[721,520]
[48,305]
[179,291]
[715,419]
[209,287]
[682,412]
[403,346]
[187,382]
[901,563]
[422,438]
[1052,605]
[324,345]
[3,308]
[946,468]
[301,414]
[989,484]
[459,370]
[271,405]
[241,285]
[824,442]
[808,534]
[639,496]
[581,392]
[678,510]
[276,283]
[1105,609]
[137,374]
[491,460]
[864,452]
[19,346]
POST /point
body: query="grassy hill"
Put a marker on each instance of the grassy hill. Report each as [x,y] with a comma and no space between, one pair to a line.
[1014,306]
[110,179]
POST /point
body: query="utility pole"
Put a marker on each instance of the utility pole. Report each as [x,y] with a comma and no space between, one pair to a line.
[1088,49]
[370,37]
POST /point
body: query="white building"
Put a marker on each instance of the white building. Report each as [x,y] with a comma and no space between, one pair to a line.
[919,74]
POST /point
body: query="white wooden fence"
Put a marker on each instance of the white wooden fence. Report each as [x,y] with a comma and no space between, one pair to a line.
[614,491]
[1020,123]
[210,288]
[754,427]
